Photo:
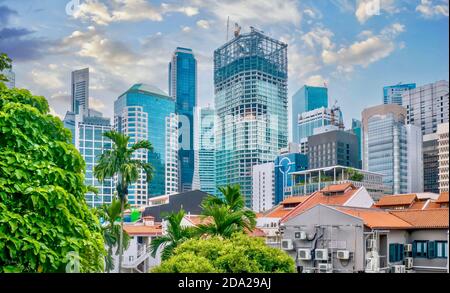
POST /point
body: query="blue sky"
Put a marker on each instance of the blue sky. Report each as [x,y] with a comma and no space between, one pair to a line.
[354,46]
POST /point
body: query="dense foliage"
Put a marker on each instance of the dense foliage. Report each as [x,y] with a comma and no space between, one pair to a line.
[45,223]
[238,254]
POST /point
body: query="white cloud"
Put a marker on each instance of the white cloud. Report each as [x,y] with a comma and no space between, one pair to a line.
[319,36]
[54,113]
[96,104]
[46,78]
[430,9]
[187,10]
[203,24]
[316,80]
[368,8]
[186,29]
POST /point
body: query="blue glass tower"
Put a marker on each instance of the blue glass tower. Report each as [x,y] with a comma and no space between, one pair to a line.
[306,99]
[284,165]
[393,94]
[357,130]
[183,89]
[141,113]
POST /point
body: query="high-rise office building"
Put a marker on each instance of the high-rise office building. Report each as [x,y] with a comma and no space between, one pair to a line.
[308,121]
[183,88]
[427,106]
[250,79]
[285,165]
[205,154]
[357,130]
[393,94]
[306,99]
[80,91]
[443,146]
[87,136]
[430,163]
[141,112]
[11,76]
[387,146]
[263,187]
[172,147]
[332,148]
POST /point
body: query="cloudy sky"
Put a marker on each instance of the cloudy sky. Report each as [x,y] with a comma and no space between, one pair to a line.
[351,45]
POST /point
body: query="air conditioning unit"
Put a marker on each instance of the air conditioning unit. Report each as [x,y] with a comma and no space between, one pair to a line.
[371,243]
[308,271]
[408,263]
[300,235]
[286,244]
[408,248]
[343,254]
[321,254]
[398,269]
[325,268]
[304,254]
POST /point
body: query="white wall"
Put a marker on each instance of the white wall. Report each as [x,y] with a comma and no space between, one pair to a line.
[415,159]
[263,187]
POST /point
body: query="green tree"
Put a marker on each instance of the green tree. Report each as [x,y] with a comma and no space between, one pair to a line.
[238,254]
[228,213]
[176,234]
[5,63]
[45,223]
[120,162]
[354,175]
[111,230]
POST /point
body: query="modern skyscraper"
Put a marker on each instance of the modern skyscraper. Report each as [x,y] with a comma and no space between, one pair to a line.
[183,88]
[306,99]
[285,165]
[263,190]
[357,130]
[387,146]
[308,121]
[332,148]
[250,79]
[172,147]
[430,163]
[393,94]
[11,76]
[80,91]
[443,145]
[205,154]
[427,106]
[141,112]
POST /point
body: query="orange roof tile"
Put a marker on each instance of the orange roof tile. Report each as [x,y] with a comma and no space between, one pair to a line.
[277,212]
[443,198]
[294,199]
[319,198]
[393,200]
[433,205]
[376,218]
[337,187]
[428,218]
[198,219]
[418,205]
[256,233]
[134,230]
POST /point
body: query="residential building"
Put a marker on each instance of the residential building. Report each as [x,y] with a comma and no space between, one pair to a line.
[141,113]
[388,144]
[417,201]
[205,154]
[11,76]
[357,130]
[393,94]
[330,238]
[183,89]
[306,99]
[285,165]
[443,149]
[250,79]
[427,106]
[308,121]
[331,148]
[172,147]
[263,190]
[430,163]
[311,180]
[80,91]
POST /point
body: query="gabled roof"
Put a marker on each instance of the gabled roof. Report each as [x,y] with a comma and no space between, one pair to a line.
[394,200]
[294,199]
[281,210]
[443,198]
[198,219]
[376,218]
[143,230]
[428,218]
[321,197]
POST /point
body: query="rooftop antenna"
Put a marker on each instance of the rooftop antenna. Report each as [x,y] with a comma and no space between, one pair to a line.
[237,30]
[228,26]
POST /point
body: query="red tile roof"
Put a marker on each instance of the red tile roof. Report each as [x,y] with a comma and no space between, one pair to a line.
[395,200]
[256,233]
[285,207]
[443,198]
[294,199]
[198,219]
[376,218]
[428,218]
[418,205]
[141,229]
[320,197]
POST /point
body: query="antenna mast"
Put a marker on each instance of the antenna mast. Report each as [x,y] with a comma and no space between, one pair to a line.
[228,26]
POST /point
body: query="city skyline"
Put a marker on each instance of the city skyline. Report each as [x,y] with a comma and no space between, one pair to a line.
[357,58]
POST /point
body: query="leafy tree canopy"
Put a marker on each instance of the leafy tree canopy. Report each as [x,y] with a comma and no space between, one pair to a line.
[43,215]
[5,63]
[238,254]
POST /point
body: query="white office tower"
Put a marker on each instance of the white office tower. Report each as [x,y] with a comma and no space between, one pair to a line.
[172,147]
[263,187]
[80,91]
[442,131]
[415,159]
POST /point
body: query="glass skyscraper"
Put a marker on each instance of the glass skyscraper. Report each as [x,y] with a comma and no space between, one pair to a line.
[80,91]
[308,121]
[183,88]
[306,99]
[357,130]
[393,94]
[205,154]
[141,112]
[250,79]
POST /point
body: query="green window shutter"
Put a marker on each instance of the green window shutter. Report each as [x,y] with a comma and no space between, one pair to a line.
[414,252]
[392,252]
[432,249]
[401,251]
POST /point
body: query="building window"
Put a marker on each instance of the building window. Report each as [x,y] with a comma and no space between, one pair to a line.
[420,249]
[396,252]
[441,249]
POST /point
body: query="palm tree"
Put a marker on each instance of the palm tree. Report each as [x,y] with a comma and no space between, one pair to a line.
[111,230]
[176,234]
[228,213]
[120,162]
